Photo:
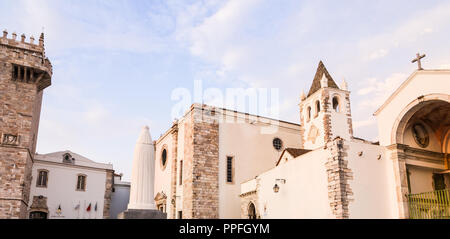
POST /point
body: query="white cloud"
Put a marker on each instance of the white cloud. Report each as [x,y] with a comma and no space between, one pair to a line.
[408,33]
[378,54]
[380,90]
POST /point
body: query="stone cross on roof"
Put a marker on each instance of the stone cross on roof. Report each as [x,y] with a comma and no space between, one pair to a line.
[417,59]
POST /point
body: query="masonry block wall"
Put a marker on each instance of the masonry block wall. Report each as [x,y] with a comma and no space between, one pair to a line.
[340,193]
[201,164]
[24,73]
[109,184]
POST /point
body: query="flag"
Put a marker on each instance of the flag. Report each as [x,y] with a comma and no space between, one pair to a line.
[95,208]
[77,206]
[88,208]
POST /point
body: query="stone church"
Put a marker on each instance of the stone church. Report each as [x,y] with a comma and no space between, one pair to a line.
[218,163]
[336,175]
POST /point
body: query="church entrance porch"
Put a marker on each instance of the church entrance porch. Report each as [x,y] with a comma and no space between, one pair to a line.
[420,158]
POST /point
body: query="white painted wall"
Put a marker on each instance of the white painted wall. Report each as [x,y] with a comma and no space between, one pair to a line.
[163,174]
[339,124]
[373,181]
[305,193]
[253,154]
[61,190]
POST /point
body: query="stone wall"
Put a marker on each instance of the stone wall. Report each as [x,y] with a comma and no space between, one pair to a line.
[325,107]
[108,193]
[201,164]
[339,190]
[24,73]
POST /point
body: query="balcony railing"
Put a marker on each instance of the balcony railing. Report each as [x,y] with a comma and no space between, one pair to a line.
[430,205]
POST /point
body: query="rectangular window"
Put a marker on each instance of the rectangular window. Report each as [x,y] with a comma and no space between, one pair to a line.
[181,172]
[81,183]
[229,169]
[180,214]
[42,179]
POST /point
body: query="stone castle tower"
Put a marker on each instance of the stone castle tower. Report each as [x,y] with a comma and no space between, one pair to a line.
[325,112]
[24,73]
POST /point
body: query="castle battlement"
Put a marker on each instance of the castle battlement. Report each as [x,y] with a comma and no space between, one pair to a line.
[22,44]
[28,61]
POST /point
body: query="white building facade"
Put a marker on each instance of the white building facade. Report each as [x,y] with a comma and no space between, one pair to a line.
[202,160]
[66,185]
[335,175]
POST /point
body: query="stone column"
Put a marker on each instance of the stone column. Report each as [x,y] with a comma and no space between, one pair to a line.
[398,158]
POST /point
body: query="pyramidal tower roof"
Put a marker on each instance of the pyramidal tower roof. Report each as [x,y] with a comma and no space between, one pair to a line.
[321,70]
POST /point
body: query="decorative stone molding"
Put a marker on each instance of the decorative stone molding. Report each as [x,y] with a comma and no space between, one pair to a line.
[339,190]
[173,183]
[39,204]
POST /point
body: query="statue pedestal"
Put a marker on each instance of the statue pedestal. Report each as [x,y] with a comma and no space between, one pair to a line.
[142,214]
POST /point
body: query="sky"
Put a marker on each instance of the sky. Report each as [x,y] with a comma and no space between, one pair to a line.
[116,63]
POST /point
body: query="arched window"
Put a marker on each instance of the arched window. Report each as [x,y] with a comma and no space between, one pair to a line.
[81,182]
[42,179]
[308,113]
[336,104]
[317,108]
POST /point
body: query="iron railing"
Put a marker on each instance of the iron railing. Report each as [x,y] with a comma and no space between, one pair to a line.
[430,205]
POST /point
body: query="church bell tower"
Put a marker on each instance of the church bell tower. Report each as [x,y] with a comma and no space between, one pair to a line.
[24,73]
[325,112]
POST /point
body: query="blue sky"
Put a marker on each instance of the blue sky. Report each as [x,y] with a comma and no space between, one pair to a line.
[116,63]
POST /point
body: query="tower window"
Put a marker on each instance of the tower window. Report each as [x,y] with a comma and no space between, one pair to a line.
[81,182]
[230,169]
[317,108]
[42,178]
[277,143]
[336,104]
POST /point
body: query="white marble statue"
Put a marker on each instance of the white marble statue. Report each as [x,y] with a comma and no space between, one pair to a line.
[143,173]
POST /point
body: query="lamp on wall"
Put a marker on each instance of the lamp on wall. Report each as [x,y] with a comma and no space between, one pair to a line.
[276,188]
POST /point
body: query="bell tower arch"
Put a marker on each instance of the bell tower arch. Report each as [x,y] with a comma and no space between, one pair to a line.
[325,112]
